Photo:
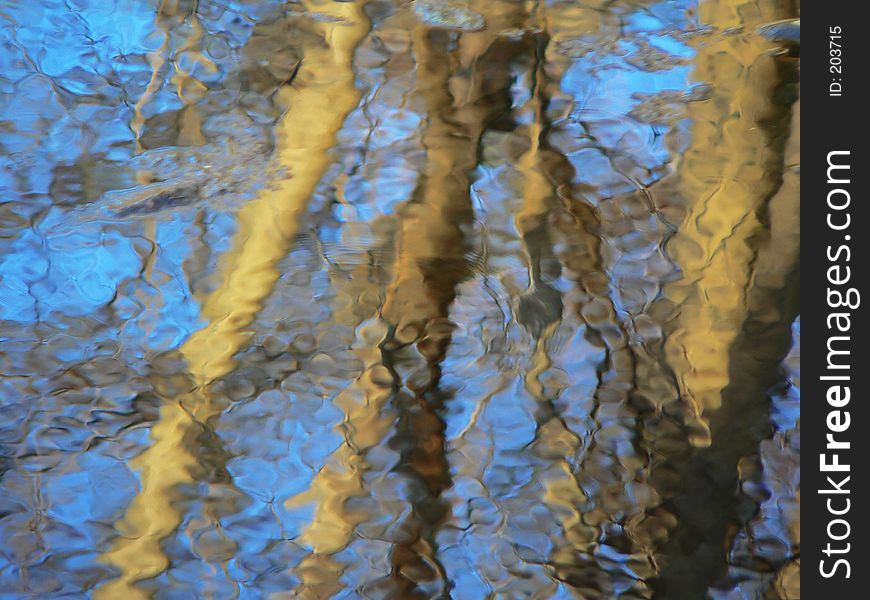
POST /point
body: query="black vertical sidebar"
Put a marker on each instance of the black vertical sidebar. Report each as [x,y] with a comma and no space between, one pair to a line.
[835,422]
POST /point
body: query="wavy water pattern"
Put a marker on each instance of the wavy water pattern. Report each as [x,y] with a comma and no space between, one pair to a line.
[399,299]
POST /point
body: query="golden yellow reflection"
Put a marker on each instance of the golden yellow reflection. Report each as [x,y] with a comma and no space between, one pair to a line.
[317,102]
[724,176]
[735,255]
[322,95]
[624,295]
[152,515]
[366,423]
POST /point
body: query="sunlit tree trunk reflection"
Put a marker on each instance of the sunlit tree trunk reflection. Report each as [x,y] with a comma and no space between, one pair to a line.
[316,105]
[723,347]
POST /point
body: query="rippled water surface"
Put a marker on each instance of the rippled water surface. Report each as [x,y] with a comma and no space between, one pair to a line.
[399,299]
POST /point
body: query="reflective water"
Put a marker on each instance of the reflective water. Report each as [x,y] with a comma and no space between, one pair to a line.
[395,299]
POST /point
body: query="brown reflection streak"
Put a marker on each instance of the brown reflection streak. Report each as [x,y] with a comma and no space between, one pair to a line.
[548,196]
[593,487]
[590,491]
[188,88]
[540,308]
[156,60]
[430,263]
[464,93]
